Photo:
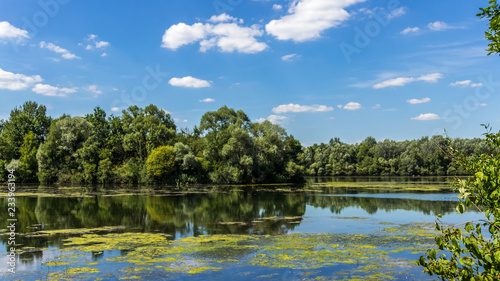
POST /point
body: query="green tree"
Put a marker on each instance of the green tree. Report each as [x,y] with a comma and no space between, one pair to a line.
[30,117]
[161,163]
[492,34]
[29,165]
[57,157]
[466,252]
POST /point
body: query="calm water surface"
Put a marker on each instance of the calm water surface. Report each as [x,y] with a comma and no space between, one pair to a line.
[376,212]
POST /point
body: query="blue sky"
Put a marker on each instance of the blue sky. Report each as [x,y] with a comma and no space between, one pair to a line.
[320,68]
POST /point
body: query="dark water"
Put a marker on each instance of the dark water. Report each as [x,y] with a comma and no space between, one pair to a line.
[314,209]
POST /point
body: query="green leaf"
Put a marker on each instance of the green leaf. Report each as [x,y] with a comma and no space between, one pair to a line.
[469,227]
[432,254]
[460,208]
[437,226]
[497,256]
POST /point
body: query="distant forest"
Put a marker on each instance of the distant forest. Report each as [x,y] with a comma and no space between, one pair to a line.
[144,146]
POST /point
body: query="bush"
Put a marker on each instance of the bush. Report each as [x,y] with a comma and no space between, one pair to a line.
[464,252]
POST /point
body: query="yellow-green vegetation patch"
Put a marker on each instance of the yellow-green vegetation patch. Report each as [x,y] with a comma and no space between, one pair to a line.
[394,186]
[203,269]
[81,270]
[362,256]
[130,277]
[57,263]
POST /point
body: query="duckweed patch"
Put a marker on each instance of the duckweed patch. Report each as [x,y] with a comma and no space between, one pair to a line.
[389,186]
[378,256]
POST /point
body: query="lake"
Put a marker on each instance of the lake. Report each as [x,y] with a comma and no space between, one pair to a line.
[327,229]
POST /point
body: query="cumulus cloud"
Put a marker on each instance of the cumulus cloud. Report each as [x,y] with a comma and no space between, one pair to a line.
[426,117]
[352,106]
[409,30]
[290,57]
[466,83]
[277,7]
[52,91]
[226,35]
[65,54]
[207,100]
[115,108]
[401,81]
[417,101]
[8,31]
[438,26]
[307,19]
[275,119]
[285,108]
[14,82]
[189,82]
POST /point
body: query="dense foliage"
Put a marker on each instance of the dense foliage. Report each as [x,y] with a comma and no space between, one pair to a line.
[492,34]
[471,251]
[143,145]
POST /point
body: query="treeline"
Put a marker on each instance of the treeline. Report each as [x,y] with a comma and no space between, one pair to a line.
[143,145]
[422,157]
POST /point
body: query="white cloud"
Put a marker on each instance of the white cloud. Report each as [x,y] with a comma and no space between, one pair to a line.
[352,106]
[483,104]
[227,36]
[101,44]
[8,31]
[284,108]
[277,7]
[377,106]
[417,101]
[94,43]
[182,34]
[52,91]
[275,119]
[189,82]
[14,82]
[65,54]
[290,57]
[466,83]
[307,19]
[224,18]
[93,89]
[207,100]
[426,117]
[115,108]
[409,30]
[104,55]
[401,11]
[177,120]
[401,81]
[438,26]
